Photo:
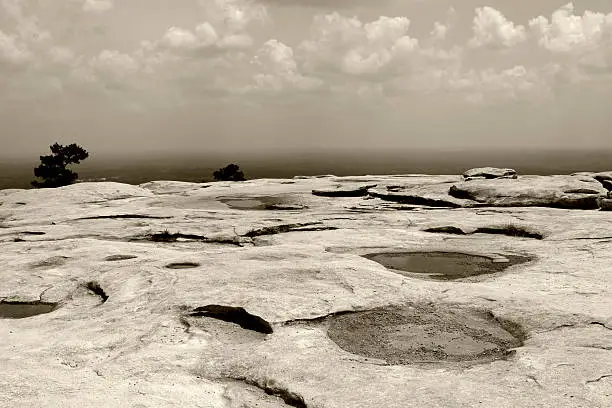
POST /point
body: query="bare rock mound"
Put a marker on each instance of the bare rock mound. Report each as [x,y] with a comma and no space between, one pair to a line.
[571,192]
[489,173]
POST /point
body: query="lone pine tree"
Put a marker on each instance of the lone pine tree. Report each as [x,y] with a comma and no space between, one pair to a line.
[230,172]
[52,169]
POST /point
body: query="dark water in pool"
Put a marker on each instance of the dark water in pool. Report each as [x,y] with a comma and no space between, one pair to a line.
[443,265]
[20,310]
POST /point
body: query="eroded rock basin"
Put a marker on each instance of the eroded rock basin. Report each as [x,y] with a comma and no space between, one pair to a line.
[21,310]
[426,334]
[261,203]
[444,265]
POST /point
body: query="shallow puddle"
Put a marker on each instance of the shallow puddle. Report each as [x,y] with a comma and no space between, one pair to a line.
[261,203]
[244,204]
[425,334]
[444,265]
[21,310]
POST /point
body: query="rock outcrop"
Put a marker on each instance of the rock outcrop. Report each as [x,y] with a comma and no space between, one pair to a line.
[605,204]
[489,173]
[431,195]
[572,192]
[605,178]
[164,296]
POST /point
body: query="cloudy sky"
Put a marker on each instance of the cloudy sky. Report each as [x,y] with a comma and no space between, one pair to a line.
[207,75]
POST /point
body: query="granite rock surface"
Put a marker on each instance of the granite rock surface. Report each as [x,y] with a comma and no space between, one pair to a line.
[174,294]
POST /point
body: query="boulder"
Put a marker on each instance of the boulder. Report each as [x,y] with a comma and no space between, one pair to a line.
[605,204]
[605,178]
[431,195]
[489,173]
[572,192]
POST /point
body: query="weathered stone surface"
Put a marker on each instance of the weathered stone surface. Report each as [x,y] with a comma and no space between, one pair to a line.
[577,192]
[169,337]
[431,195]
[605,204]
[489,173]
[605,178]
[604,175]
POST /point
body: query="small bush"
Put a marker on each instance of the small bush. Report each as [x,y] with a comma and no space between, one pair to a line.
[230,172]
[52,169]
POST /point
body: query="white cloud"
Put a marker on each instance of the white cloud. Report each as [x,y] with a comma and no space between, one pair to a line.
[492,29]
[439,31]
[227,52]
[13,51]
[97,6]
[567,31]
[115,64]
[348,46]
[180,38]
[277,70]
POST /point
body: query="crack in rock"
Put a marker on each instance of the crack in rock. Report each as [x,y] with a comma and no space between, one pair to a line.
[182,265]
[598,379]
[604,325]
[123,217]
[508,230]
[284,228]
[174,237]
[344,191]
[233,314]
[115,258]
[535,380]
[96,289]
[271,388]
[597,346]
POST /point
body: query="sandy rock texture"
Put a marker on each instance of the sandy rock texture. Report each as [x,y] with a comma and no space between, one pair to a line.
[260,294]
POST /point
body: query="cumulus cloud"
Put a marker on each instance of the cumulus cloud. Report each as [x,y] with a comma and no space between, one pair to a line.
[349,46]
[566,31]
[277,70]
[226,52]
[492,29]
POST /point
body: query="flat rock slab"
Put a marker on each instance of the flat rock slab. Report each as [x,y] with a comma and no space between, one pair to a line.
[572,192]
[431,195]
[490,173]
[280,203]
